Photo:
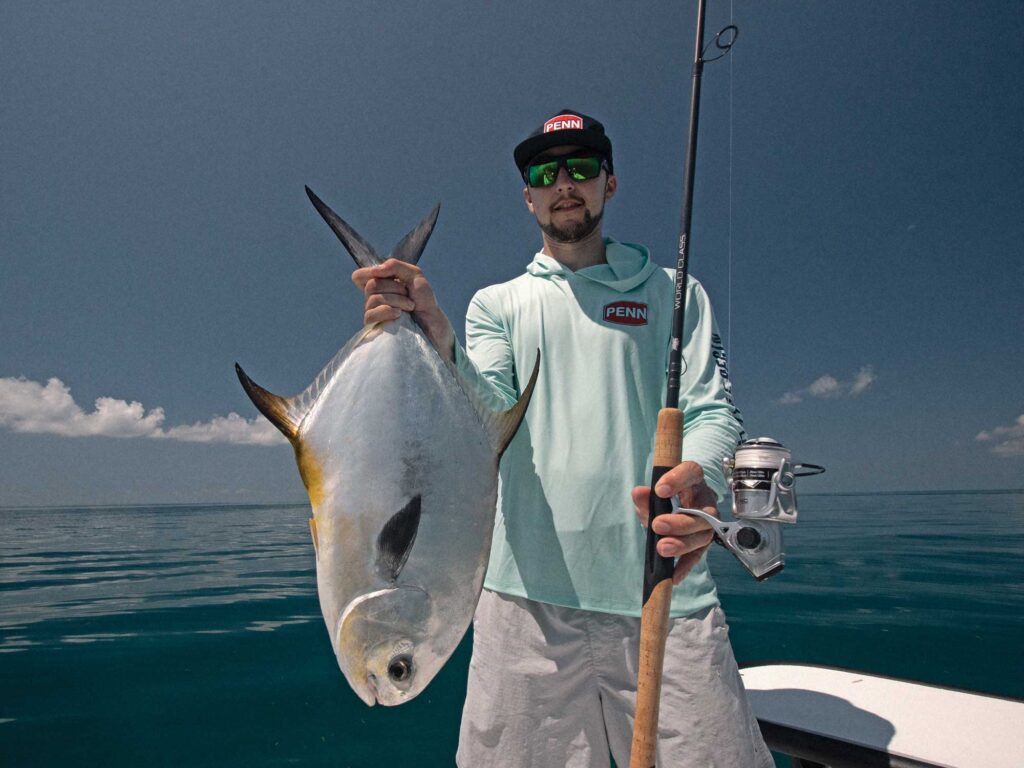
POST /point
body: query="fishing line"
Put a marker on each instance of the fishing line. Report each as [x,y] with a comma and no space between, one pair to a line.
[728,320]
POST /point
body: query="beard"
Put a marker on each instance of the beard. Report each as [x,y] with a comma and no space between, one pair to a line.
[575,232]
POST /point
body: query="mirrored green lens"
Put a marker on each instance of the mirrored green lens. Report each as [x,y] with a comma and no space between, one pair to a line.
[578,168]
[583,168]
[543,174]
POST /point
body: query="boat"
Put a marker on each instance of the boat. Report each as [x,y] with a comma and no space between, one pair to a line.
[827,717]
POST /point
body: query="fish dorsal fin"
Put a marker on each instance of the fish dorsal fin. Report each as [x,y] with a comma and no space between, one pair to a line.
[287,413]
[303,403]
[410,247]
[281,411]
[396,539]
[501,426]
[362,251]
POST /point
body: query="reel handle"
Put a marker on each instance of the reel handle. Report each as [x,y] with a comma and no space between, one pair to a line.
[815,469]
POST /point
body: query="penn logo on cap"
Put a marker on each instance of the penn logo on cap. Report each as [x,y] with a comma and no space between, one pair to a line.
[564,123]
[567,127]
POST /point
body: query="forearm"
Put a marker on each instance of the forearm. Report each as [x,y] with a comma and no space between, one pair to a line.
[487,364]
[491,389]
[710,434]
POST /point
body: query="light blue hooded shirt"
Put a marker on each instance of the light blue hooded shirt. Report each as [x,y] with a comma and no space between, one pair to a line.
[565,531]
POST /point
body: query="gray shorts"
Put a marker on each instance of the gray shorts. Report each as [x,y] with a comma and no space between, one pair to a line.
[553,687]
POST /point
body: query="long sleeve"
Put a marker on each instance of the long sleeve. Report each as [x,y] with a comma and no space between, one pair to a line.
[488,361]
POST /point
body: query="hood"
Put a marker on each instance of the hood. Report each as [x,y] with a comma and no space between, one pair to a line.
[627,266]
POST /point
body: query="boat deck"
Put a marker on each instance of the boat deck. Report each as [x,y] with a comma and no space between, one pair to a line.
[836,717]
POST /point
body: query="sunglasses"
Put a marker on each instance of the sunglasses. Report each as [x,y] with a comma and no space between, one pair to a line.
[579,168]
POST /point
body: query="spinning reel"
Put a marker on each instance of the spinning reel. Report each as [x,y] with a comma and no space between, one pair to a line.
[762,479]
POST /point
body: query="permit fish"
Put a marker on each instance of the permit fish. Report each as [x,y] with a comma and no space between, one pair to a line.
[399,454]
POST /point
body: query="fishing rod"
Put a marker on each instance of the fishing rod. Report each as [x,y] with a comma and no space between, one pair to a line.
[668,446]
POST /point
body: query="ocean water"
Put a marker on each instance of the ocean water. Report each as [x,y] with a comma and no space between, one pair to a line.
[191,635]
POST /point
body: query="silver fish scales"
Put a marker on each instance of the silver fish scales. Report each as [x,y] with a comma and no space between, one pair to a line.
[399,454]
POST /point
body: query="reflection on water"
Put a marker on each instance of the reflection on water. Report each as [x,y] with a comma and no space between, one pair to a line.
[66,564]
[890,552]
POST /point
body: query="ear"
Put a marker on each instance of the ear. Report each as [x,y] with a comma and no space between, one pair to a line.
[527,199]
[609,188]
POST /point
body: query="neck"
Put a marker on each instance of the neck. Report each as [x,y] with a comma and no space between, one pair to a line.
[583,253]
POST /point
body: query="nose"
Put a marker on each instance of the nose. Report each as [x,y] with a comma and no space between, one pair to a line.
[564,180]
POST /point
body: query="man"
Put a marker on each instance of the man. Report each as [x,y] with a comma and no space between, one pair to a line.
[552,681]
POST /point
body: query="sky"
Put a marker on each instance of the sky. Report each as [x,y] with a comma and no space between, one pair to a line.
[858,219]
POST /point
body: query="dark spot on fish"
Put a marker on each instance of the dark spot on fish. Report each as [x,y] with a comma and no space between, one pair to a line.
[396,539]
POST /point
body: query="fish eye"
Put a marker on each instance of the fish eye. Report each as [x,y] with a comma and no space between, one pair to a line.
[400,668]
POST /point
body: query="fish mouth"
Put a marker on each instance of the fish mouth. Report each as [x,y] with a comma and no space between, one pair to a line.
[373,695]
[365,688]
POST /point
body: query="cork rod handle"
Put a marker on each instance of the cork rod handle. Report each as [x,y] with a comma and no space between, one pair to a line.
[668,443]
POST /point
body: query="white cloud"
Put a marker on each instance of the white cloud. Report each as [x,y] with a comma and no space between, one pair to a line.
[864,378]
[826,386]
[829,387]
[228,429]
[28,406]
[1009,441]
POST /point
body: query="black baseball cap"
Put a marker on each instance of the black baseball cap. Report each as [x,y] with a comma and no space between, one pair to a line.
[566,126]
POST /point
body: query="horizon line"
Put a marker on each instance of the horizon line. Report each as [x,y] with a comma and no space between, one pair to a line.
[294,504]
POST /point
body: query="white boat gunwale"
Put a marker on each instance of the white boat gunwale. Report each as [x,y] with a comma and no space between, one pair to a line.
[842,743]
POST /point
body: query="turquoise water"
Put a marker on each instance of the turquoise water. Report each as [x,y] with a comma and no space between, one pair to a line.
[191,635]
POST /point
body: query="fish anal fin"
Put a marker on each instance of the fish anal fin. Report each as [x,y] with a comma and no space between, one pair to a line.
[311,473]
[278,410]
[502,426]
[396,539]
[316,539]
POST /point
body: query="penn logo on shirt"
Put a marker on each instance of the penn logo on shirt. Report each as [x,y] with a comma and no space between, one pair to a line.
[564,123]
[625,313]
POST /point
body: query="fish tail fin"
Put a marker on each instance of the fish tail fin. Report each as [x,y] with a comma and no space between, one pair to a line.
[361,251]
[280,411]
[410,247]
[502,426]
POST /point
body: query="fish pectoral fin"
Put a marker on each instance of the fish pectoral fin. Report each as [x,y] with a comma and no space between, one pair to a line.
[396,539]
[502,425]
[410,247]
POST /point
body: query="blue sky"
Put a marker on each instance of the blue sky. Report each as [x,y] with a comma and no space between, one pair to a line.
[861,161]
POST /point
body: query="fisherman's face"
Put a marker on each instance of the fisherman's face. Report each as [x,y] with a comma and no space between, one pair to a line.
[568,211]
